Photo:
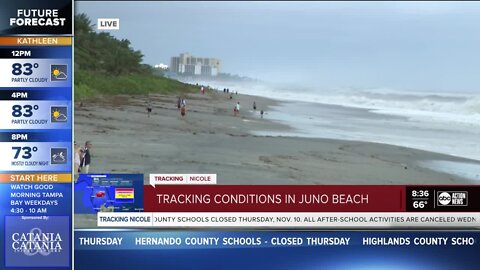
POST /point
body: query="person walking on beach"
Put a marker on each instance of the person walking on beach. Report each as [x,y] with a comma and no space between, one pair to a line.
[77,159]
[236,110]
[254,106]
[261,114]
[184,102]
[86,158]
[179,103]
[183,111]
[149,109]
[202,90]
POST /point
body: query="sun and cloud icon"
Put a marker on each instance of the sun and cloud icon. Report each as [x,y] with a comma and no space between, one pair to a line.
[58,72]
[58,114]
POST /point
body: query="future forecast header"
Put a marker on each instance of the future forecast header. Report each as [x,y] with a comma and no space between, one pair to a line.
[37,17]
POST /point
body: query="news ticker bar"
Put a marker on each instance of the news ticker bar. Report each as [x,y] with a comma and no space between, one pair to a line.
[289,220]
[261,249]
[185,240]
[311,198]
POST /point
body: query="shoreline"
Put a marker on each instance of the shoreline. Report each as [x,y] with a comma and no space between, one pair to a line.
[441,122]
[339,122]
[211,140]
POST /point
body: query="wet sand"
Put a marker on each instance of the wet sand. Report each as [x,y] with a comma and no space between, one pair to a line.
[211,140]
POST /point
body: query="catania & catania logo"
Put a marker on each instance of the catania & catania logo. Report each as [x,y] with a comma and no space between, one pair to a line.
[37,242]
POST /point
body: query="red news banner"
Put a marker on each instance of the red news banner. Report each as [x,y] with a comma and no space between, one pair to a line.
[274,198]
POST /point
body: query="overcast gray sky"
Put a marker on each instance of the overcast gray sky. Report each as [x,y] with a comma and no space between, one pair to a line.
[431,46]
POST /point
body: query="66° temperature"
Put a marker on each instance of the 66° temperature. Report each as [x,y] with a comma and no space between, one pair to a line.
[419,204]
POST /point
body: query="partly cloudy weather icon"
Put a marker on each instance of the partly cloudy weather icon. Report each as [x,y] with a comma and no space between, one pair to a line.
[60,117]
[58,72]
[59,114]
[59,75]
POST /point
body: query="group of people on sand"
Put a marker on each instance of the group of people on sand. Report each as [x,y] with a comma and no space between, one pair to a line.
[182,104]
[255,109]
[82,158]
[227,91]
[236,108]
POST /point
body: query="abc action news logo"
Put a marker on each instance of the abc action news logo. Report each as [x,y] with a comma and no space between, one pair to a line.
[452,198]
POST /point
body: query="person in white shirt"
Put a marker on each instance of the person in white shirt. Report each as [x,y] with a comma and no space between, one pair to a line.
[237,109]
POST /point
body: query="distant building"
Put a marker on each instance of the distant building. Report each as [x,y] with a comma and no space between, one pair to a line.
[161,66]
[186,64]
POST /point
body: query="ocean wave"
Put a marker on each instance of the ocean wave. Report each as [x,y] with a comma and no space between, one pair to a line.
[426,106]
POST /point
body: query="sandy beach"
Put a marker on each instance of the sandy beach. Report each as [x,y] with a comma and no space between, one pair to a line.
[211,140]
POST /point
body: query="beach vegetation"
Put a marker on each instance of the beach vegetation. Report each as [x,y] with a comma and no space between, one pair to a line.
[105,65]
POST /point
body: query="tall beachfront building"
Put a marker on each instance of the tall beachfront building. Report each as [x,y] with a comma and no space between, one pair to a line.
[187,64]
